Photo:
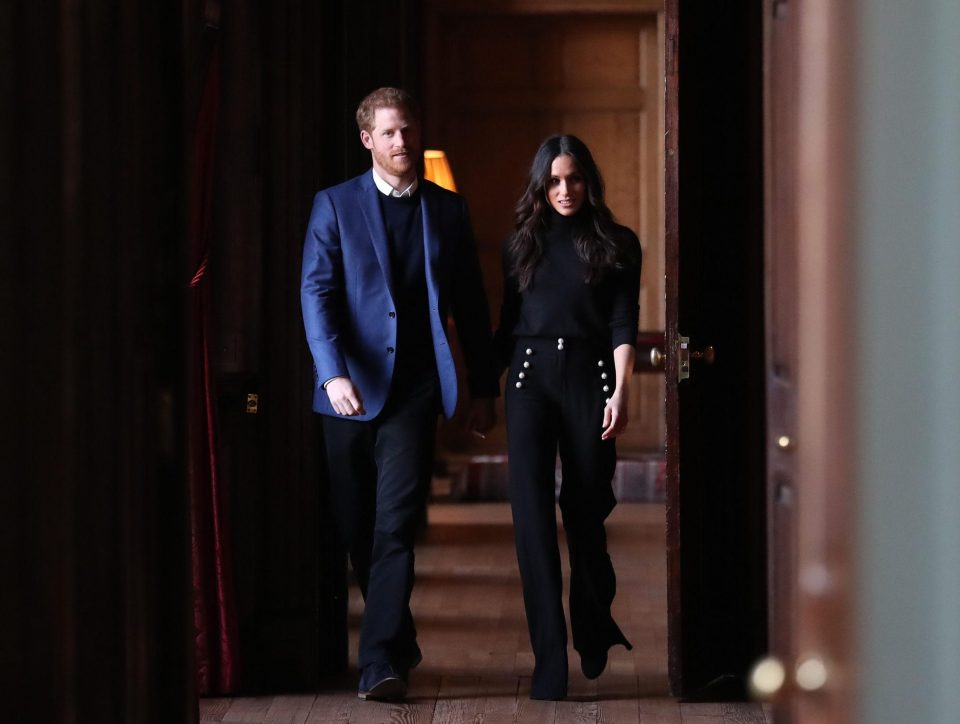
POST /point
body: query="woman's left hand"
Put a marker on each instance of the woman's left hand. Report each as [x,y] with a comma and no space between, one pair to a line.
[615,416]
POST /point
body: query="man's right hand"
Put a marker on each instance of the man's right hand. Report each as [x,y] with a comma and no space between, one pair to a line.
[345,397]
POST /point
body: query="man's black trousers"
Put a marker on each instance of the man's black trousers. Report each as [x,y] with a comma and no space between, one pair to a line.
[379,478]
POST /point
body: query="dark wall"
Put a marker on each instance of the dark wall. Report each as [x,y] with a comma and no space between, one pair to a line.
[100,100]
[96,610]
[722,477]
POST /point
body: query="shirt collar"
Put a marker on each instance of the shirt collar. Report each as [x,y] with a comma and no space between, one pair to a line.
[388,190]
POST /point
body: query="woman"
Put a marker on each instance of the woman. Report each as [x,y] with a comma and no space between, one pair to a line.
[567,332]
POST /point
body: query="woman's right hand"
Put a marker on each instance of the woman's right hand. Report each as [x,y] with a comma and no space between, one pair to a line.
[615,416]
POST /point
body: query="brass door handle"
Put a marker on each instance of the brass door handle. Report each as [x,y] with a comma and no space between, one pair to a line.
[685,355]
[656,357]
[708,355]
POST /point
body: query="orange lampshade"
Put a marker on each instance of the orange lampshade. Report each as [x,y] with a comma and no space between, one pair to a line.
[436,168]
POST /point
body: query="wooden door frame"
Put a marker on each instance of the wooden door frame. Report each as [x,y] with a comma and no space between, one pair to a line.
[671,241]
[808,189]
[825,335]
[780,287]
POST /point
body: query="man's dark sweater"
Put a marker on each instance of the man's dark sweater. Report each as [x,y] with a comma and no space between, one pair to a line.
[403,219]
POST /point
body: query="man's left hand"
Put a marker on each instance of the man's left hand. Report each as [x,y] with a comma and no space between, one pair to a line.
[482,416]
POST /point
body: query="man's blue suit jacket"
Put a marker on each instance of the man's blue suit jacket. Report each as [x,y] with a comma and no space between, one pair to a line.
[347,292]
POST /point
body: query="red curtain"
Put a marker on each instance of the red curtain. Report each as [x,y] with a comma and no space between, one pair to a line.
[214,600]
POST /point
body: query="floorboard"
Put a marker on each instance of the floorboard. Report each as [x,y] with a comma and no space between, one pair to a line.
[214,709]
[659,711]
[290,709]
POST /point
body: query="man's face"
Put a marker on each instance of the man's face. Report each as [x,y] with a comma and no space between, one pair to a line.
[394,143]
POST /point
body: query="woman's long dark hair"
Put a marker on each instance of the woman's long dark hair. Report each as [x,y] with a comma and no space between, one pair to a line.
[598,242]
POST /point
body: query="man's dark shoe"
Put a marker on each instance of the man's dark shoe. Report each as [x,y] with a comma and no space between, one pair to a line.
[592,665]
[404,668]
[415,661]
[381,682]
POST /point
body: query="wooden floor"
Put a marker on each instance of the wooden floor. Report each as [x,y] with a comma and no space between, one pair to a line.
[477,660]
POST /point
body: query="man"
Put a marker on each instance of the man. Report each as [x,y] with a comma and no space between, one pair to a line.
[386,256]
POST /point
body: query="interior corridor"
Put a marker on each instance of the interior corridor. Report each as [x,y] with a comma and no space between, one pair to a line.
[477,660]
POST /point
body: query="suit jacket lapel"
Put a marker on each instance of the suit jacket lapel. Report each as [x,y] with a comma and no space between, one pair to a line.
[373,215]
[431,234]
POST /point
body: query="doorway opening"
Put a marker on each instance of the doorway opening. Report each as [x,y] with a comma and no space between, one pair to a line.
[497,81]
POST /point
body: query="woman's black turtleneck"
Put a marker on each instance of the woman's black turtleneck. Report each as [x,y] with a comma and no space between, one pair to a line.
[559,302]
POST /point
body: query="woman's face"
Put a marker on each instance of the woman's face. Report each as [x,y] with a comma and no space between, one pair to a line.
[566,187]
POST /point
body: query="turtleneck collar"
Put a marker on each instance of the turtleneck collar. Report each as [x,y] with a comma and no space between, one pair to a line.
[553,219]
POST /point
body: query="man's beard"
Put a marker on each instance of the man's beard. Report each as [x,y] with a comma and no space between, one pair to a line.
[396,166]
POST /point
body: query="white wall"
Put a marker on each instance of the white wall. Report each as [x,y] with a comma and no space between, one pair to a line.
[907,310]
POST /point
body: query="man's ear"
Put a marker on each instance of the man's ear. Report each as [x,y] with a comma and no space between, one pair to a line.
[366,139]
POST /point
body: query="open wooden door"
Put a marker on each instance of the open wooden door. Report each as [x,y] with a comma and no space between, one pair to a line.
[716,501]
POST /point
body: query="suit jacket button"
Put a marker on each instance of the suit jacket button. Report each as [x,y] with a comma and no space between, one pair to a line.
[392,315]
[389,350]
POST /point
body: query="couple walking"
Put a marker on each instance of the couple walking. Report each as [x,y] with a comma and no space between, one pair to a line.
[387,256]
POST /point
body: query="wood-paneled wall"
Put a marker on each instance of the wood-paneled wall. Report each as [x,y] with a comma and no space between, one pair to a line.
[501,78]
